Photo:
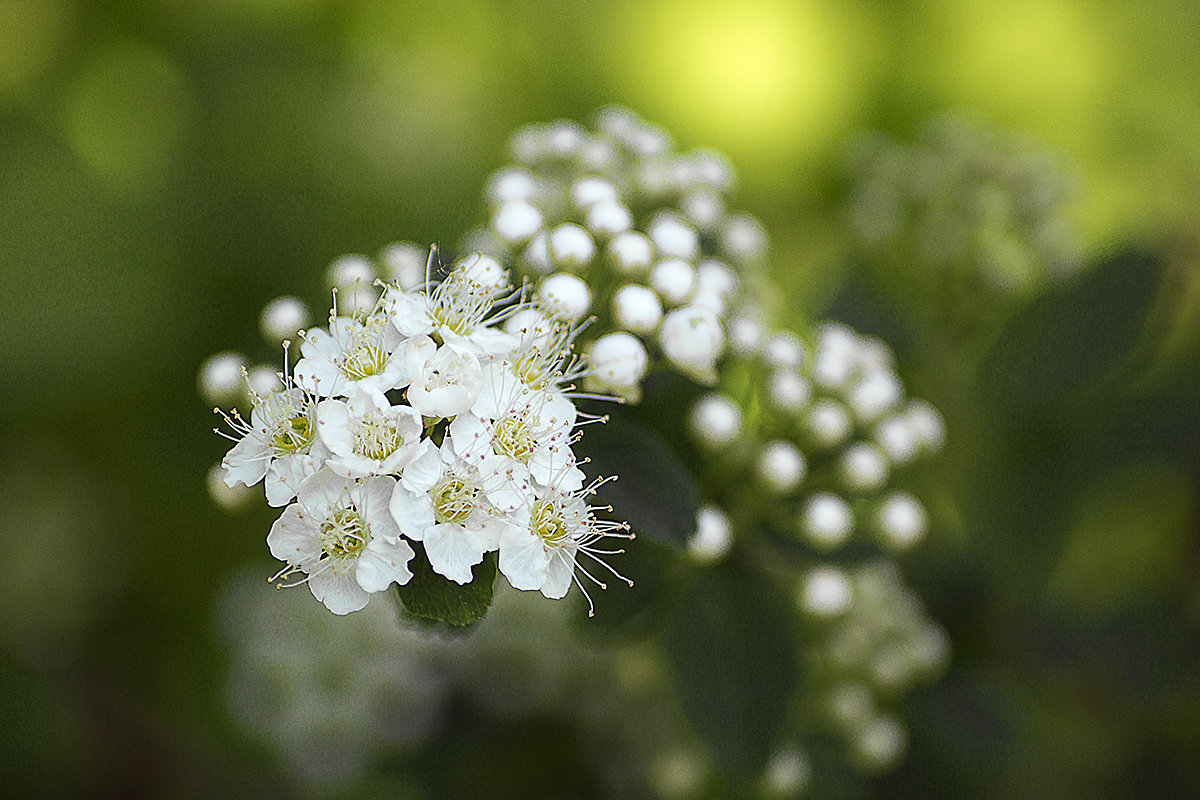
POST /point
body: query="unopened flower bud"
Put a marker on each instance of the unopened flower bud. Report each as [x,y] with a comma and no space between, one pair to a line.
[517,221]
[511,184]
[692,339]
[783,349]
[745,335]
[715,420]
[781,466]
[404,263]
[630,253]
[828,423]
[485,271]
[220,379]
[565,296]
[824,592]
[587,192]
[713,536]
[863,468]
[674,279]
[788,391]
[900,520]
[928,423]
[637,308]
[618,360]
[875,393]
[674,237]
[281,318]
[571,247]
[263,379]
[897,438]
[826,521]
[607,218]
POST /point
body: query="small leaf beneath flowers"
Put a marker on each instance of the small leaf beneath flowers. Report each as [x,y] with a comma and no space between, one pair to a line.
[430,596]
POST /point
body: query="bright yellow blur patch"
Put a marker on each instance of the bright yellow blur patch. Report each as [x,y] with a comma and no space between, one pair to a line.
[761,79]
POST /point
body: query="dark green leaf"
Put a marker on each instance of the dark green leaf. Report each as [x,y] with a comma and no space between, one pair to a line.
[1074,337]
[729,641]
[653,492]
[431,596]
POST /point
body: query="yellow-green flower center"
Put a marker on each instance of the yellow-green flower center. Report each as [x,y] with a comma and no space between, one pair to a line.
[514,439]
[377,438]
[548,523]
[454,499]
[364,361]
[294,434]
[344,534]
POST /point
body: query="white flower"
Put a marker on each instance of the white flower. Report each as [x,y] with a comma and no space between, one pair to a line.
[341,535]
[280,444]
[691,338]
[445,380]
[541,546]
[454,310]
[439,501]
[366,434]
[352,351]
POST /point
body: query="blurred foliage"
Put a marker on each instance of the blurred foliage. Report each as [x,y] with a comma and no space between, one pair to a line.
[166,168]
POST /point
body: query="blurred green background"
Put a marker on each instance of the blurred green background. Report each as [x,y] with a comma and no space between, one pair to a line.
[168,167]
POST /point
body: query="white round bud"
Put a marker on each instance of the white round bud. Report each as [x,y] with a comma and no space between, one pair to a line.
[745,335]
[788,391]
[880,744]
[571,247]
[743,240]
[565,296]
[828,423]
[281,318]
[586,192]
[873,353]
[484,270]
[637,308]
[703,208]
[715,420]
[608,218]
[674,237]
[674,279]
[220,378]
[826,521]
[228,498]
[526,144]
[715,276]
[928,423]
[517,221]
[357,300]
[787,774]
[511,184]
[677,774]
[530,324]
[824,592]
[404,263]
[901,520]
[781,466]
[850,704]
[863,468]
[875,393]
[350,272]
[930,648]
[537,254]
[263,379]
[563,138]
[897,438]
[630,253]
[691,339]
[713,536]
[618,360]
[712,169]
[784,349]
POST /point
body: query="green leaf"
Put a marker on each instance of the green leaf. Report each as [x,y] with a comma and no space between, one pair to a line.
[431,596]
[653,492]
[730,644]
[1076,336]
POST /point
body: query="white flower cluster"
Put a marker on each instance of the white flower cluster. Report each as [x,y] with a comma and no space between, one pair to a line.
[422,421]
[836,426]
[872,643]
[616,224]
[965,209]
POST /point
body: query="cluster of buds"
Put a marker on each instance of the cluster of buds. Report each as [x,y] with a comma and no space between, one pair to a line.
[964,212]
[823,427]
[422,420]
[615,224]
[872,643]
